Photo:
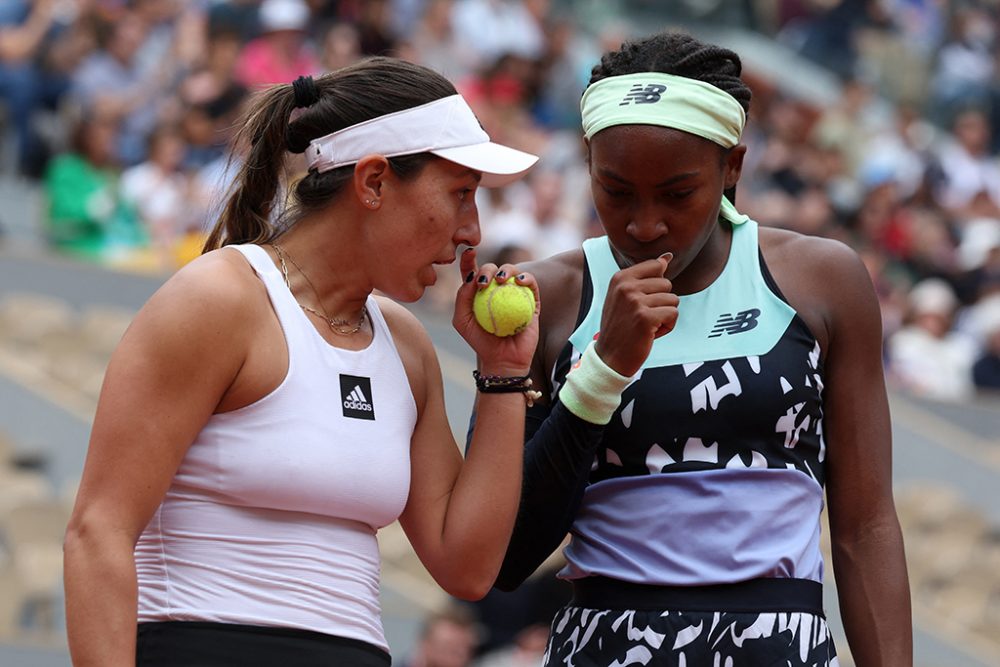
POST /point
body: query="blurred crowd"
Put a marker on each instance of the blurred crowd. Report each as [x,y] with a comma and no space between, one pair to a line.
[903,167]
[121,111]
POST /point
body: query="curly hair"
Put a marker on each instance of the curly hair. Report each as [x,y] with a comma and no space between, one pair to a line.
[679,54]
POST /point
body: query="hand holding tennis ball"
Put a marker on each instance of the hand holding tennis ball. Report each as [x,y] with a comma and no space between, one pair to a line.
[504,309]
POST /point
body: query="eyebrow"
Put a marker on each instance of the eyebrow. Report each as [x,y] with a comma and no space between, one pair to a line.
[478,175]
[604,173]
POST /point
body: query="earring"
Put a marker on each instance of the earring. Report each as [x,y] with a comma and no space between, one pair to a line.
[370,202]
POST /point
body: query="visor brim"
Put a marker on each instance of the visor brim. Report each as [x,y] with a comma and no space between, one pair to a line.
[499,164]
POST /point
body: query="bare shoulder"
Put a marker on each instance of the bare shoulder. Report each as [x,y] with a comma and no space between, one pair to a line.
[215,296]
[559,281]
[552,270]
[221,278]
[782,245]
[202,323]
[824,279]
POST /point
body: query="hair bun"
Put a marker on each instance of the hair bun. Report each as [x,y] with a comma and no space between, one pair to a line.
[306,92]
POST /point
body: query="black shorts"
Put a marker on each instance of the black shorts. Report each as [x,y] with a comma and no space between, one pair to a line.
[762,623]
[198,644]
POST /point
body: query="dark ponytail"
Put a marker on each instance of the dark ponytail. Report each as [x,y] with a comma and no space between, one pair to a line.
[367,89]
[246,217]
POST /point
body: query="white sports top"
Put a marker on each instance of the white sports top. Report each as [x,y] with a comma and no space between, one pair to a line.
[271,517]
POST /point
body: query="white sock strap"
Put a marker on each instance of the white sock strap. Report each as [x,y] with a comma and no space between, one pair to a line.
[593,389]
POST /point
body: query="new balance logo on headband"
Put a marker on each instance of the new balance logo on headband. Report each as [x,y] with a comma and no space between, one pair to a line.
[355,392]
[745,320]
[640,94]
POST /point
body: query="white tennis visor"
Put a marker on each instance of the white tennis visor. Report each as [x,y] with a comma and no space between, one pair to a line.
[446,127]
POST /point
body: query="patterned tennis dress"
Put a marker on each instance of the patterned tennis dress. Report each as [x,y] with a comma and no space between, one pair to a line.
[697,541]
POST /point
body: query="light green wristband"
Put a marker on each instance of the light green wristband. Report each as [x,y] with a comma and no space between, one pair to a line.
[593,389]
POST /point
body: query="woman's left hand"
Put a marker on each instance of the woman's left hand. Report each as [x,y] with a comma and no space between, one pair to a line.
[506,355]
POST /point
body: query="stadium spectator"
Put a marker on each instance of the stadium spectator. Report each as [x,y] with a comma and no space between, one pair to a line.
[448,639]
[986,370]
[160,194]
[26,86]
[112,82]
[965,66]
[375,29]
[494,28]
[85,216]
[967,182]
[539,222]
[281,52]
[434,42]
[926,357]
[341,46]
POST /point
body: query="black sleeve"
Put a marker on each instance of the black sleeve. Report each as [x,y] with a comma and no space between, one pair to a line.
[558,453]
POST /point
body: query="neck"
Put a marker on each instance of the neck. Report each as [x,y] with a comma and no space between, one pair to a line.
[708,264]
[323,266]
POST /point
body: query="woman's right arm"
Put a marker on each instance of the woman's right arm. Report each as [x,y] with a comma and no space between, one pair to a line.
[168,374]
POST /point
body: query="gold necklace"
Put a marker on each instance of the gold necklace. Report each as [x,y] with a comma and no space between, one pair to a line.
[342,327]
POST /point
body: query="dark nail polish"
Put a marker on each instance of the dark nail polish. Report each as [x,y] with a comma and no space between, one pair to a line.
[521,276]
[469,277]
[483,280]
[501,275]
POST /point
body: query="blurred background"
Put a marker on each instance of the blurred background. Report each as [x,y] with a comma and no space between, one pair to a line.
[876,122]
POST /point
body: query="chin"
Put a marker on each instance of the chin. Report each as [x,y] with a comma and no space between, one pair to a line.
[406,295]
[415,291]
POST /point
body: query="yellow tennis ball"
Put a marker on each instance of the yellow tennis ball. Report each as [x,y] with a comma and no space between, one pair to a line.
[503,309]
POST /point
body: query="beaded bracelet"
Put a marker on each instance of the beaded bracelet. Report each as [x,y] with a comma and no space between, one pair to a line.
[500,384]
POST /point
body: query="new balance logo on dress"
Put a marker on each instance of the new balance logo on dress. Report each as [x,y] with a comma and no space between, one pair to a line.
[643,94]
[356,394]
[745,320]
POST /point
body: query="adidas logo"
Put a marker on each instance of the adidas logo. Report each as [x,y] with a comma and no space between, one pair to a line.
[745,320]
[357,401]
[640,94]
[355,392]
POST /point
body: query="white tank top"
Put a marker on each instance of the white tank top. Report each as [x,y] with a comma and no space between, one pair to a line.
[271,517]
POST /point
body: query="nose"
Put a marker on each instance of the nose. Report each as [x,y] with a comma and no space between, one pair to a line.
[468,231]
[647,223]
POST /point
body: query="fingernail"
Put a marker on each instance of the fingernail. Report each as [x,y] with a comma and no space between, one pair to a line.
[483,280]
[667,256]
[469,249]
[521,276]
[469,277]
[501,275]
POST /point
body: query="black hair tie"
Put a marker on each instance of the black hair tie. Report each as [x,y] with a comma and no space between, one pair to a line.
[306,92]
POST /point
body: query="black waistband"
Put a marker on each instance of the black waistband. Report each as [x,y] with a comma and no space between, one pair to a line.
[756,595]
[185,643]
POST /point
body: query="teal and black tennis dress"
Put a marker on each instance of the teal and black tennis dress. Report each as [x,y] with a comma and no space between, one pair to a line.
[695,540]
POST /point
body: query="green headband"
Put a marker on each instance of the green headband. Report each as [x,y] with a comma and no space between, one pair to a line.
[656,98]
